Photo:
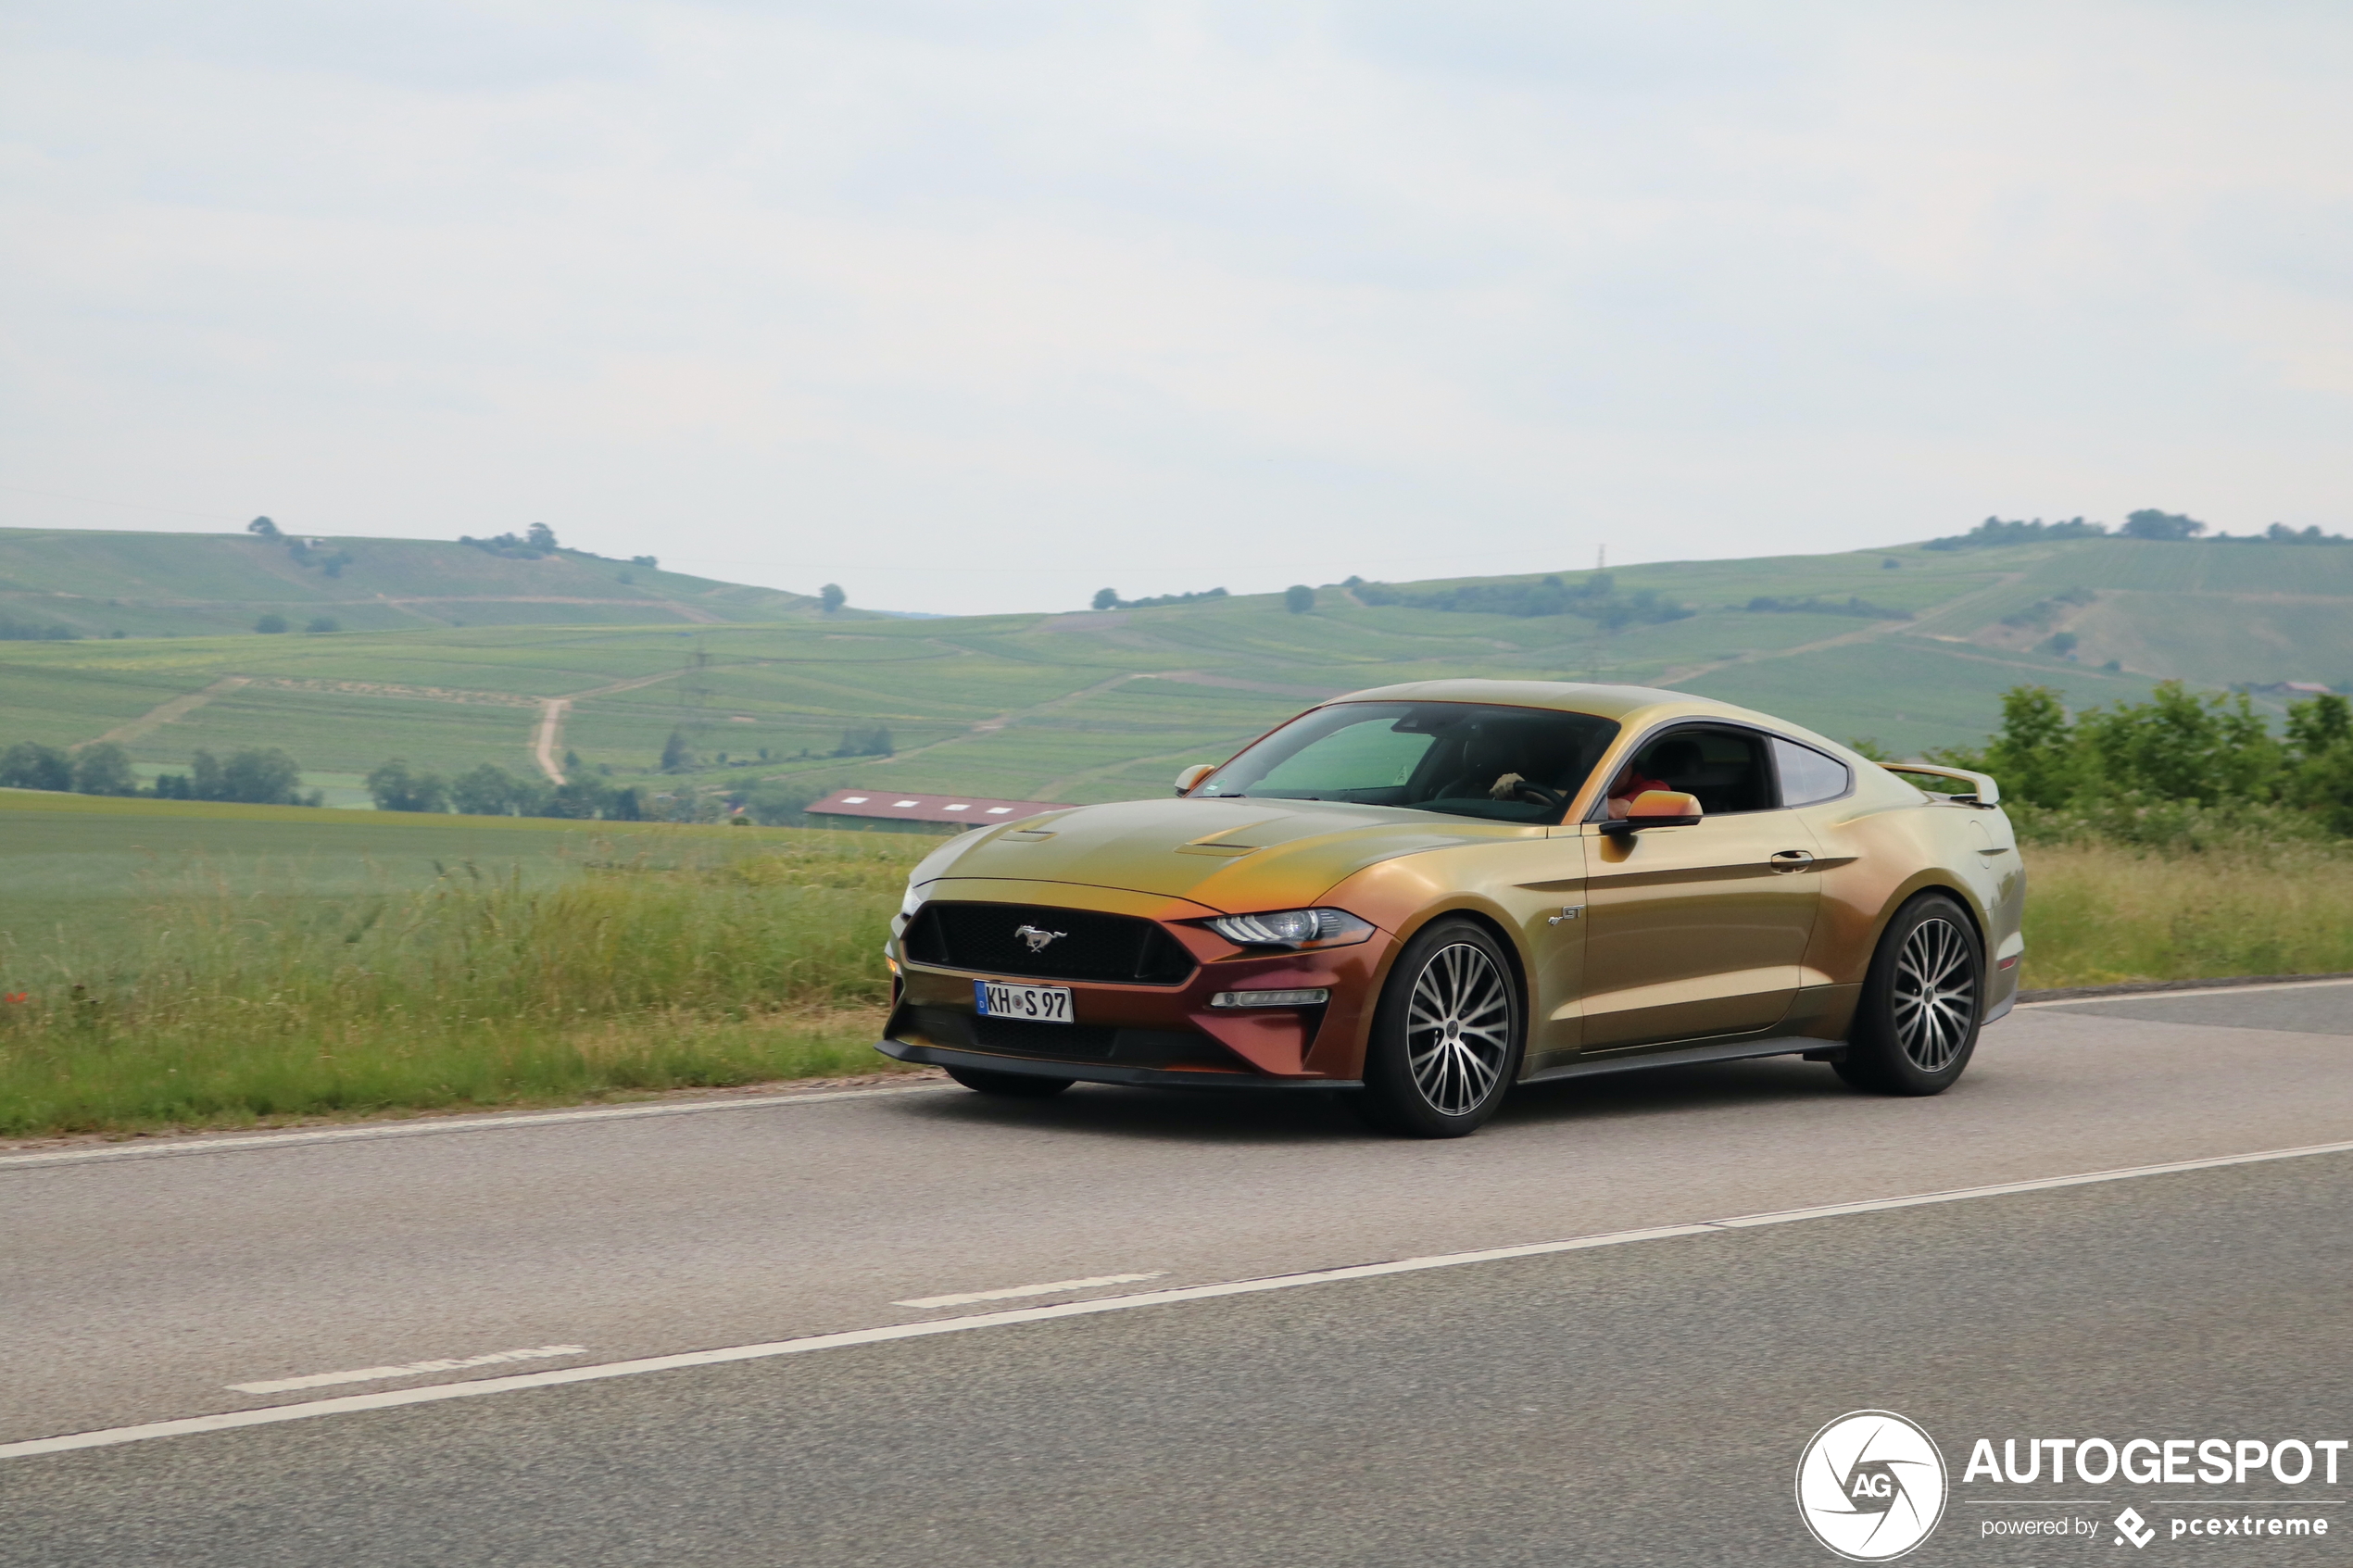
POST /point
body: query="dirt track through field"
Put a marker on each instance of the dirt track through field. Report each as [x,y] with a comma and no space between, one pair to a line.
[550,736]
[164,713]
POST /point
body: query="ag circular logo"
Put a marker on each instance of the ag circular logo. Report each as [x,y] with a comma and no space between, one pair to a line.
[1870,1486]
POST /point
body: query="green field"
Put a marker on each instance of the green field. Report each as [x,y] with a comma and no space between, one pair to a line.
[1103,704]
[167,964]
[76,866]
[101,585]
[2097,914]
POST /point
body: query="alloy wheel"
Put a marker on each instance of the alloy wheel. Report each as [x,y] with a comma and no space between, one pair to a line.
[1935,994]
[1458,1029]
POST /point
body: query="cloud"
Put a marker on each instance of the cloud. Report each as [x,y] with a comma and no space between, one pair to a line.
[981,308]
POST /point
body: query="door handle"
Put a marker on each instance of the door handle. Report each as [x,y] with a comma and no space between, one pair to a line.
[1791,859]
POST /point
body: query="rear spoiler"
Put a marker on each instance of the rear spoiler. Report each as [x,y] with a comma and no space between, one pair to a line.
[1982,790]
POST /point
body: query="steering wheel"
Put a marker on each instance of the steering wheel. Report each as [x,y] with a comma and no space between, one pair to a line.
[1527,789]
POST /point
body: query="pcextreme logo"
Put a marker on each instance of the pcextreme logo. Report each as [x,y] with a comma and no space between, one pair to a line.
[1870,1486]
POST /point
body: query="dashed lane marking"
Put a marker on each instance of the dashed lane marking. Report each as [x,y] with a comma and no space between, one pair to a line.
[406,1369]
[392,1399]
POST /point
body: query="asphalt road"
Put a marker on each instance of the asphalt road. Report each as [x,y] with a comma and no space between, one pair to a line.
[1638,1403]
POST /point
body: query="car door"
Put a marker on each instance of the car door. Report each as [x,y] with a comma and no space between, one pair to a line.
[1698,931]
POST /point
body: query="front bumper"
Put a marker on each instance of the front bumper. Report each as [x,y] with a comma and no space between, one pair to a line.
[1164,1035]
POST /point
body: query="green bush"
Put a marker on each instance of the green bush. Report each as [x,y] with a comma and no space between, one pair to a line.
[2183,767]
[257,777]
[104,767]
[488,790]
[30,765]
[779,805]
[396,786]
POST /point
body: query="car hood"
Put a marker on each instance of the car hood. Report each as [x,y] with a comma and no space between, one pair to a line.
[1225,853]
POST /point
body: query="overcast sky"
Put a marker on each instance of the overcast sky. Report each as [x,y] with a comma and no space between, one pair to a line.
[973,307]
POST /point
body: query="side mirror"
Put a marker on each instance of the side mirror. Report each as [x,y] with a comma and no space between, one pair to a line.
[1193,775]
[1656,808]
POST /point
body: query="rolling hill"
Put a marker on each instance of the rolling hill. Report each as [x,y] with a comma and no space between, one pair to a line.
[1910,645]
[99,585]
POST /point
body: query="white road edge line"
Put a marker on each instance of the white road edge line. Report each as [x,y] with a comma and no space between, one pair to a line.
[424,1127]
[2178,995]
[1050,1289]
[392,1399]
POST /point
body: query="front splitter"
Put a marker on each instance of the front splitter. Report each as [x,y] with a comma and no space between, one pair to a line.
[1102,1072]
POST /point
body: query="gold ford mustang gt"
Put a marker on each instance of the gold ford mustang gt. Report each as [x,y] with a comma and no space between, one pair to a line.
[1426,894]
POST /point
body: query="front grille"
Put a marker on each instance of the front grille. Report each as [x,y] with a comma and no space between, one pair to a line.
[959,1029]
[1119,948]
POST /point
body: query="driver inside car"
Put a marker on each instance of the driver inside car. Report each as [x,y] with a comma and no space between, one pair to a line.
[1517,774]
[1629,783]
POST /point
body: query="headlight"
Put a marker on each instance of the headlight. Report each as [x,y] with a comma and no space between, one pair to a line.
[1293,928]
[911,903]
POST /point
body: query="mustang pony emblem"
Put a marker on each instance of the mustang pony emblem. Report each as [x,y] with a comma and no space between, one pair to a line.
[1035,938]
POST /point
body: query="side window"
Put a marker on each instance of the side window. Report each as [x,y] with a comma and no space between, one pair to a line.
[1809,776]
[1725,768]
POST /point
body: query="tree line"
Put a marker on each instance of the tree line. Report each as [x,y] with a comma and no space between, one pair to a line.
[2149,522]
[255,777]
[1813,604]
[488,790]
[1108,598]
[15,631]
[326,558]
[678,754]
[2181,765]
[1596,598]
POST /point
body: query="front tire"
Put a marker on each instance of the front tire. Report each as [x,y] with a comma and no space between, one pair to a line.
[1916,1023]
[1446,1036]
[1011,1086]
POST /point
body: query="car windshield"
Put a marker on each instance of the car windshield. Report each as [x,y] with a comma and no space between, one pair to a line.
[1470,759]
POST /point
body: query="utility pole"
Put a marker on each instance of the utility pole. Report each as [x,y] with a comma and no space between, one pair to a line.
[694,692]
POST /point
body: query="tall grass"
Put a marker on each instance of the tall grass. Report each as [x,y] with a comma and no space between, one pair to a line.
[217,1007]
[2097,914]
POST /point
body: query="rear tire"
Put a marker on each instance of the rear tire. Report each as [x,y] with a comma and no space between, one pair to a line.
[1011,1086]
[1446,1037]
[1916,1023]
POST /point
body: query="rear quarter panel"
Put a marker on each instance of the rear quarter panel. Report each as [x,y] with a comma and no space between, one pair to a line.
[1885,845]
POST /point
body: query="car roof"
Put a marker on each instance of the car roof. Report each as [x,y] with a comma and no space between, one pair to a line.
[1636,708]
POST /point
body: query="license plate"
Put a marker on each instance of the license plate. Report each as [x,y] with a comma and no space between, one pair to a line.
[1040,1004]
